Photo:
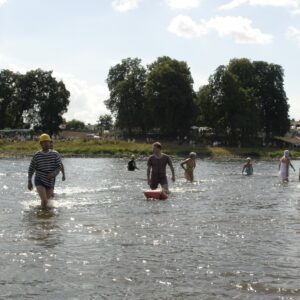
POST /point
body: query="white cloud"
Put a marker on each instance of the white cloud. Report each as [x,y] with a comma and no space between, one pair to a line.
[185,26]
[125,5]
[233,4]
[2,2]
[294,34]
[238,27]
[183,4]
[294,5]
[86,100]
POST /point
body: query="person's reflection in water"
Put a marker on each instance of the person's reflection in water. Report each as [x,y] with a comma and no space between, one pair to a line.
[42,227]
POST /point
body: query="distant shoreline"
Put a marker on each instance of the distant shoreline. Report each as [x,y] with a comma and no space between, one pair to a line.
[81,148]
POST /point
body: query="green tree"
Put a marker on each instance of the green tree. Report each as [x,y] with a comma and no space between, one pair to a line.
[127,102]
[8,96]
[169,90]
[273,101]
[245,98]
[244,71]
[74,125]
[49,103]
[228,99]
[22,102]
[105,122]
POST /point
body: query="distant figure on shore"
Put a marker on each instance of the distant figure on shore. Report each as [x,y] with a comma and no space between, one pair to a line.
[132,164]
[46,164]
[248,168]
[284,165]
[189,165]
[62,169]
[157,164]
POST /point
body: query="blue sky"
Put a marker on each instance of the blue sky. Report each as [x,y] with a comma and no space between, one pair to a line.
[80,39]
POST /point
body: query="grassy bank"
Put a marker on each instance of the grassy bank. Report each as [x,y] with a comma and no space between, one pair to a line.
[122,148]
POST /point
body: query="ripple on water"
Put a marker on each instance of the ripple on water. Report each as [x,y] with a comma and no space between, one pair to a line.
[222,237]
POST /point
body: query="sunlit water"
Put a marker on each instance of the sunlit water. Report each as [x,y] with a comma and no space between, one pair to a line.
[226,236]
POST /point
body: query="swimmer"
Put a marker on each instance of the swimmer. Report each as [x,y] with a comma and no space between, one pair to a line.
[46,164]
[284,165]
[248,168]
[132,164]
[189,165]
[157,164]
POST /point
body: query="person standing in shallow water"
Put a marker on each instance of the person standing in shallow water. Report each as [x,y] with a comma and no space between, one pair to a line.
[284,165]
[132,164]
[46,164]
[248,168]
[156,170]
[189,165]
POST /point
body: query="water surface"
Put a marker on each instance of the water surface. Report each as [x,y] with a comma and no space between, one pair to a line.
[226,236]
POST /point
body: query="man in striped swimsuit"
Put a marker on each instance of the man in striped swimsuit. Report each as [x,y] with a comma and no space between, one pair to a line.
[46,164]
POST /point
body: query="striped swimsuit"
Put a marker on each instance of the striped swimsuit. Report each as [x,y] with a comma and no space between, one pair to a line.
[42,164]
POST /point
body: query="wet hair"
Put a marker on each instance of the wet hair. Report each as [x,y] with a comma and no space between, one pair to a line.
[193,155]
[157,145]
[286,153]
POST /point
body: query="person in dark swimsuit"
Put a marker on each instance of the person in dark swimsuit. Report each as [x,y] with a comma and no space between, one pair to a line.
[157,164]
[132,164]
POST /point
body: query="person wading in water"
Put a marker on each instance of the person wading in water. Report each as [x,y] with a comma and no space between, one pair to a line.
[157,164]
[46,164]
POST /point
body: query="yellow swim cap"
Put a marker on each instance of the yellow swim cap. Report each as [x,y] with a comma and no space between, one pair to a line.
[45,138]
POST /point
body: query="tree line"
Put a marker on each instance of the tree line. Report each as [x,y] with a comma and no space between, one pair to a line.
[33,100]
[242,100]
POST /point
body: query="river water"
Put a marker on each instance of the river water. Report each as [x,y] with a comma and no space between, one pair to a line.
[226,236]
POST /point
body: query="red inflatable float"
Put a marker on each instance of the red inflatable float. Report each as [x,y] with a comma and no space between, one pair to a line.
[156,194]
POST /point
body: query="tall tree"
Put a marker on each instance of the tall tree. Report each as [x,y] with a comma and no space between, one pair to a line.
[22,102]
[245,98]
[169,89]
[8,95]
[35,98]
[273,101]
[50,101]
[127,102]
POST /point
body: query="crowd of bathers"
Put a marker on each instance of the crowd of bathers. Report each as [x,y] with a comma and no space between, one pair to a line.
[46,164]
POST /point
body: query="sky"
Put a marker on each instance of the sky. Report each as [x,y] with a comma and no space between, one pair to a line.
[81,39]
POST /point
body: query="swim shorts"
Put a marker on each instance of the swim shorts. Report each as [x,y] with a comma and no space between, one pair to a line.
[156,181]
[39,182]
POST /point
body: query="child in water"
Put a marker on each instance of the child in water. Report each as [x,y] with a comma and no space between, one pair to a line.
[248,168]
[189,165]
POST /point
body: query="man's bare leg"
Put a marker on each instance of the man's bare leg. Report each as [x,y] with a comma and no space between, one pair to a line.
[43,193]
[50,193]
[165,188]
